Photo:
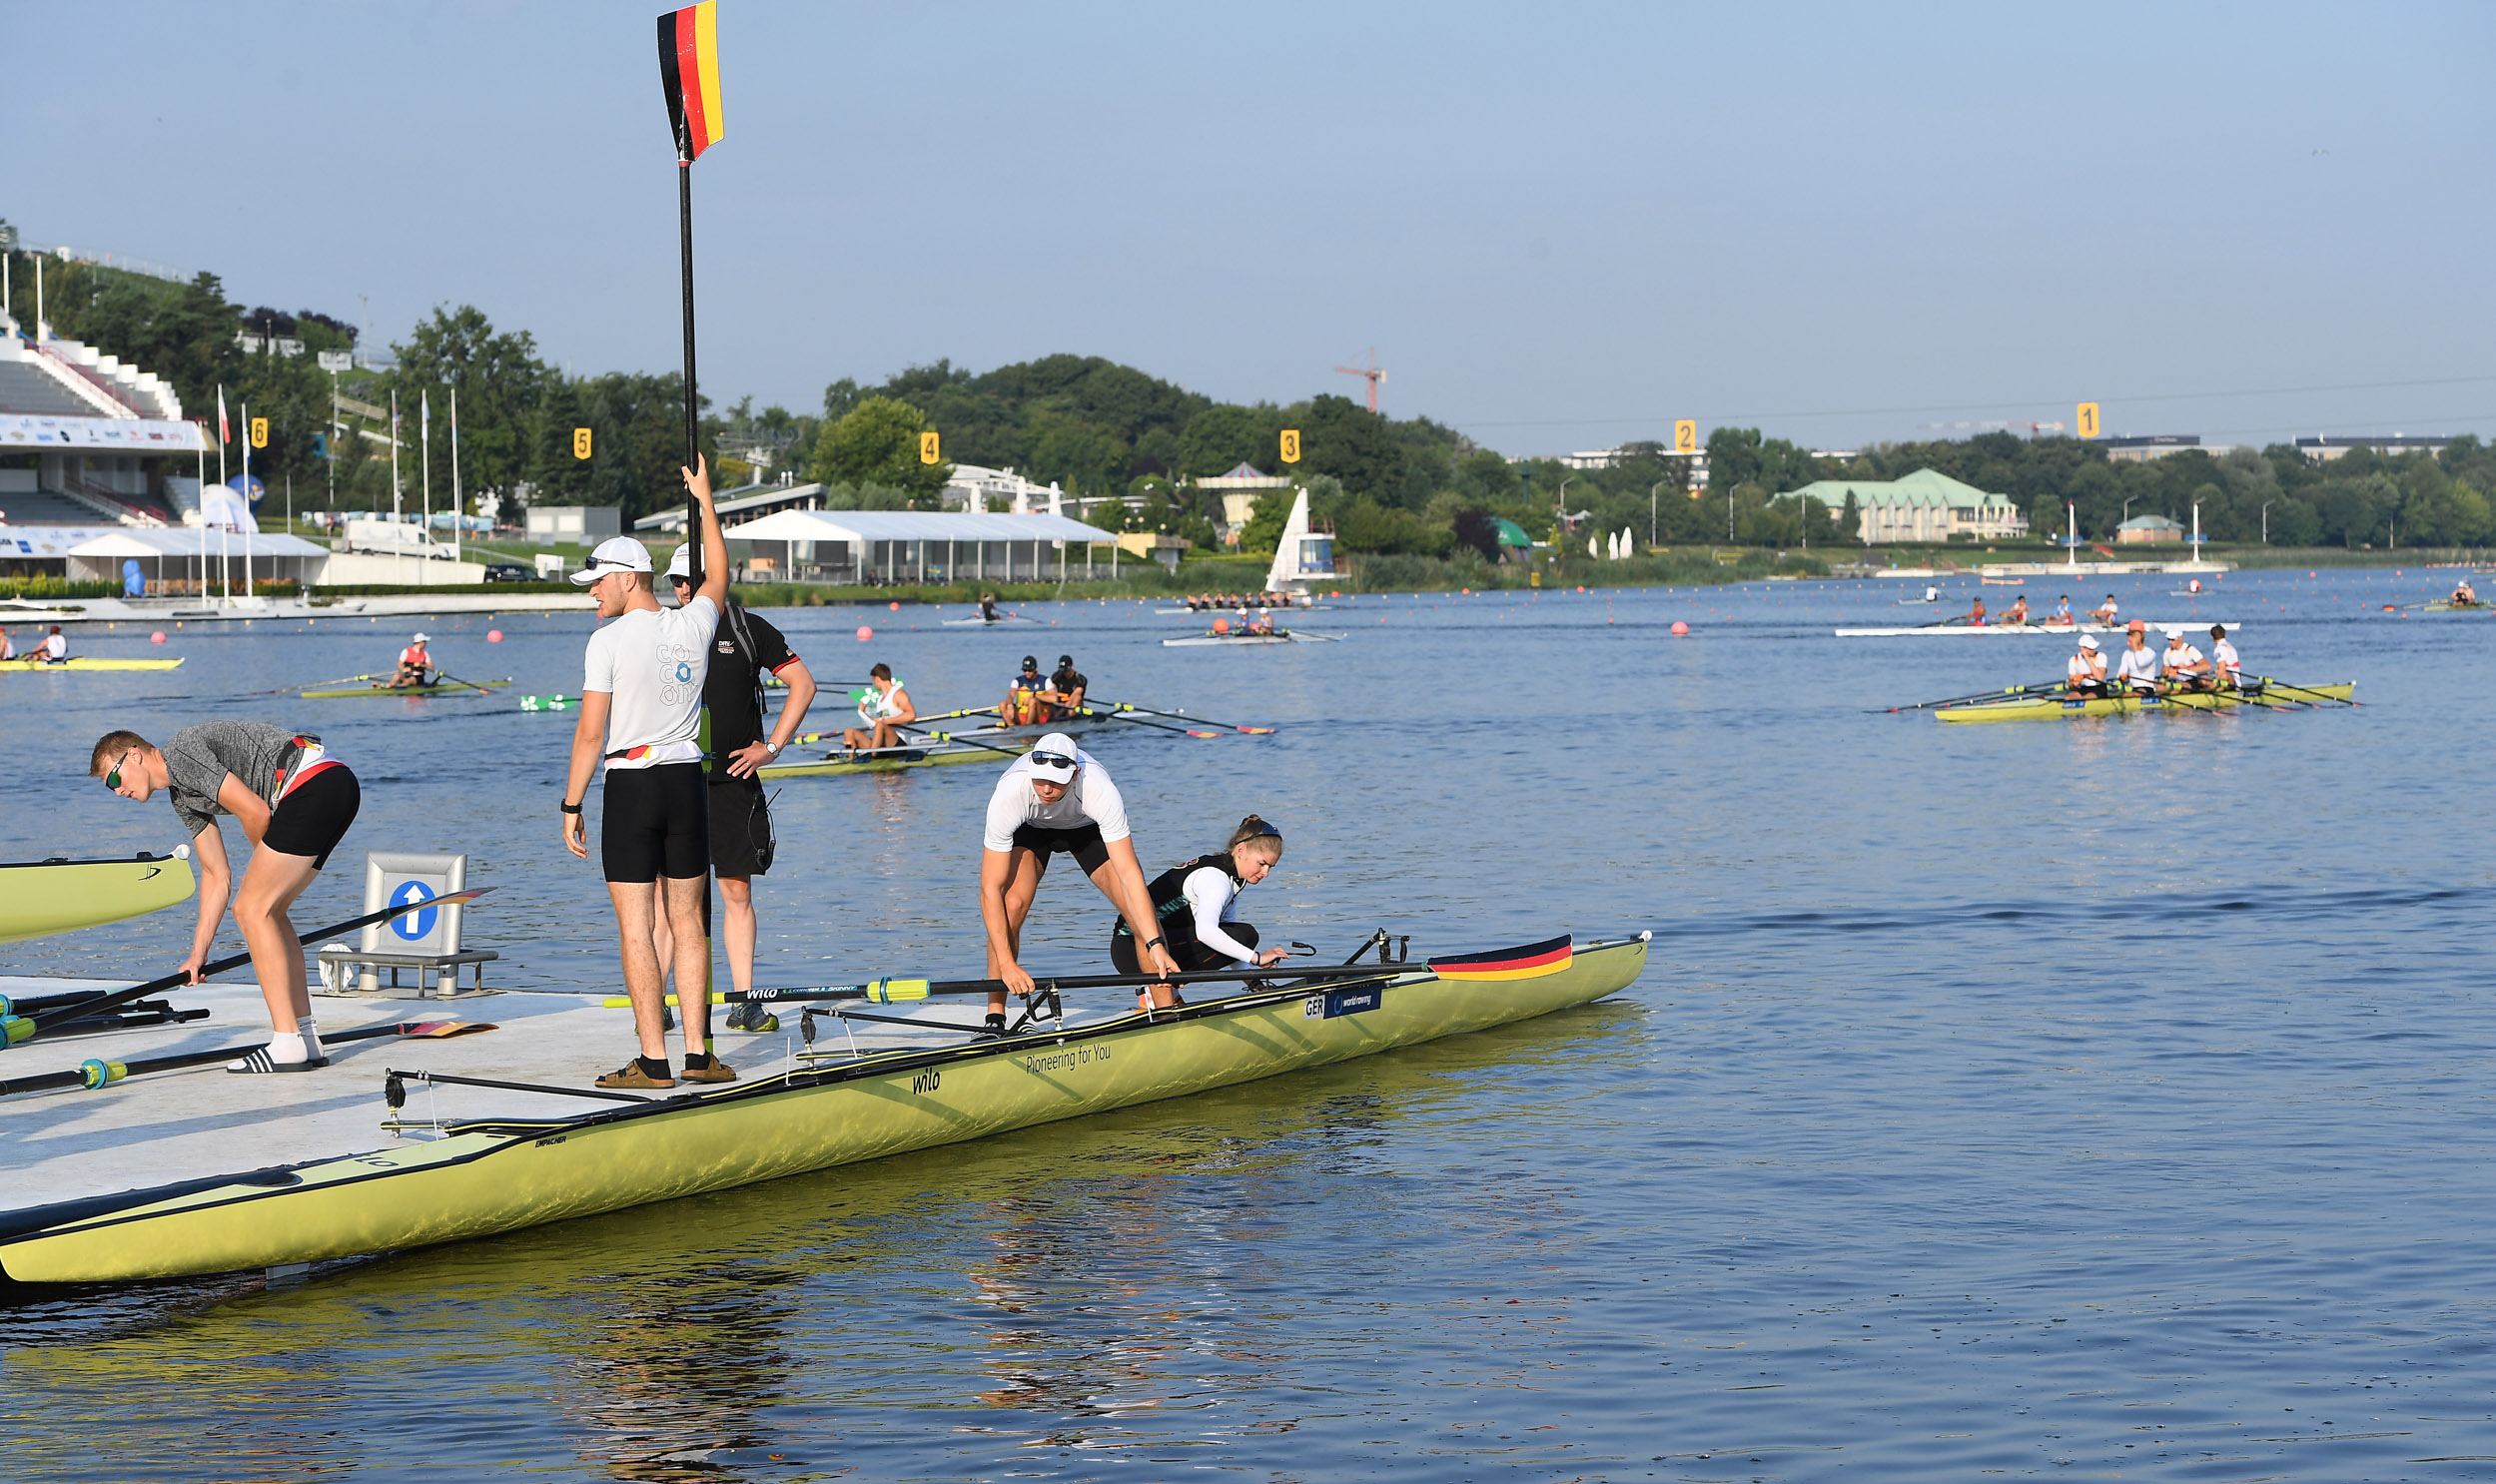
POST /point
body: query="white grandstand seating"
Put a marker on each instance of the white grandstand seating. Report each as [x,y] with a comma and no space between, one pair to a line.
[26,386]
[44,509]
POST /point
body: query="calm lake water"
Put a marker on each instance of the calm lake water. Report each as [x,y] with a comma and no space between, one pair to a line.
[2109,1098]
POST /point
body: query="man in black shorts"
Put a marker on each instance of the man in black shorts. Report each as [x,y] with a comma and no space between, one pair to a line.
[1065,696]
[742,650]
[294,802]
[641,712]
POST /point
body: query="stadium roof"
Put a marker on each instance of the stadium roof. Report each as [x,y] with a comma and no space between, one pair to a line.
[913,525]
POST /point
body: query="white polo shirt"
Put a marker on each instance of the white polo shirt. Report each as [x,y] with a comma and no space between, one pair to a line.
[652,661]
[1092,799]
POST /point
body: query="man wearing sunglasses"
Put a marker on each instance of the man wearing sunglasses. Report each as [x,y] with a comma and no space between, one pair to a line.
[294,803]
[1055,798]
[640,713]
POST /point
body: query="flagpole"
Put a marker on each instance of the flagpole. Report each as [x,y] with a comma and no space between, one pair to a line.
[458,506]
[247,499]
[398,546]
[223,432]
[425,444]
[692,427]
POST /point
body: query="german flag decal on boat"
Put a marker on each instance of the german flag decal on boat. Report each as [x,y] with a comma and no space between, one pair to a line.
[1530,961]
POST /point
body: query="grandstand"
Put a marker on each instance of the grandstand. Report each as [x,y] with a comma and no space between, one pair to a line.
[87,440]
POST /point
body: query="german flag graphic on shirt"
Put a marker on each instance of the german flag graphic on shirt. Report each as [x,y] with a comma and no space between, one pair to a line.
[688,69]
[1530,961]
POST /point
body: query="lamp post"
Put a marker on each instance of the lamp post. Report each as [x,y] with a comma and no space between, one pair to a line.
[2266,522]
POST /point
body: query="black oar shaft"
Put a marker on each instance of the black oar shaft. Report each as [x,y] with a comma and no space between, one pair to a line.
[897,990]
[113,1072]
[119,998]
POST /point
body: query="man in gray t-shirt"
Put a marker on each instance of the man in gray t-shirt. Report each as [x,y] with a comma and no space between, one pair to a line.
[294,802]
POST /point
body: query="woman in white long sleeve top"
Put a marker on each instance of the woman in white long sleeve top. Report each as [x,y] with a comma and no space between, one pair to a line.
[1198,905]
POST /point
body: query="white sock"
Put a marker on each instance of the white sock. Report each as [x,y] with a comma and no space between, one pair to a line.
[287,1046]
[310,1030]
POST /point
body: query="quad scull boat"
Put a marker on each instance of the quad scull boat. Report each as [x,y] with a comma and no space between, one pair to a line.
[464,1179]
[2273,696]
[1278,636]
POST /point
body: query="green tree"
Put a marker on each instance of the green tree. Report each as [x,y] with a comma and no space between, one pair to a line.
[877,441]
[1223,436]
[1265,521]
[499,379]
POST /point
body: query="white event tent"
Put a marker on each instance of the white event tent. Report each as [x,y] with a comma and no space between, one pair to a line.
[911,546]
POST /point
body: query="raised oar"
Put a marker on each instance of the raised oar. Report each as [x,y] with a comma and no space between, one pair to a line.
[14,1029]
[896,991]
[97,1073]
[1982,695]
[1183,716]
[1158,726]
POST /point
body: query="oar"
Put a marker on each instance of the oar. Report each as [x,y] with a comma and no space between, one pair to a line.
[1159,726]
[1183,716]
[287,690]
[936,736]
[2269,684]
[939,716]
[14,1029]
[2038,688]
[440,678]
[97,1073]
[895,990]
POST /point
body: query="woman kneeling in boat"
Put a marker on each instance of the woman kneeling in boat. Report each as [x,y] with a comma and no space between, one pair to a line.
[295,803]
[1198,903]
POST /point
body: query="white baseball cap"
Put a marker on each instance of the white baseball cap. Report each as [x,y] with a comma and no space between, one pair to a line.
[1053,758]
[614,554]
[420,638]
[2087,642]
[681,564]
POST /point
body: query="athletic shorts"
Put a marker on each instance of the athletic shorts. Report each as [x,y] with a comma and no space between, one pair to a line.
[656,822]
[742,843]
[312,819]
[1082,842]
[1191,956]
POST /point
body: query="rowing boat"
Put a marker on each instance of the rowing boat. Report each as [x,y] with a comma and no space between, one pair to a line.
[2063,630]
[2449,606]
[975,621]
[406,692]
[2054,708]
[487,1176]
[84,662]
[896,759]
[1278,636]
[39,898]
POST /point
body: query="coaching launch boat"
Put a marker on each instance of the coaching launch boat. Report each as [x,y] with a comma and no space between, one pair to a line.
[457,1179]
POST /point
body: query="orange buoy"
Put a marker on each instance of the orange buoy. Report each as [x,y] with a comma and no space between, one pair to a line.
[865,633]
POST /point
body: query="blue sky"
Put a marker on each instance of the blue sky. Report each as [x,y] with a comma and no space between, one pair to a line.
[1560,226]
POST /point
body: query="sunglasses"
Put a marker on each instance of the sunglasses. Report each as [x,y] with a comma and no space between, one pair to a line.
[1263,830]
[112,780]
[1053,759]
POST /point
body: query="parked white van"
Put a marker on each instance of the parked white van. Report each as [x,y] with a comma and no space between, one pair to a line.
[395,539]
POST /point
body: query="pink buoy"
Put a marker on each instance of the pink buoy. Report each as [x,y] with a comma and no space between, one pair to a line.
[493,636]
[865,633]
[157,638]
[895,606]
[1680,627]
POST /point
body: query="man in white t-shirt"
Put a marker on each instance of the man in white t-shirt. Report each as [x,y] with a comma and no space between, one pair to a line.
[1056,798]
[2225,667]
[641,710]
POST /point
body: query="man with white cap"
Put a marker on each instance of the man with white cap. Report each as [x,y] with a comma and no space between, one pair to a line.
[2187,669]
[2084,673]
[641,710]
[413,663]
[1057,798]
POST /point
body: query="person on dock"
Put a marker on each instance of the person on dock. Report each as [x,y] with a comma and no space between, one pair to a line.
[2137,668]
[1065,696]
[744,648]
[1197,906]
[2104,613]
[1976,614]
[2017,612]
[883,708]
[2187,669]
[1057,798]
[415,664]
[54,650]
[988,608]
[2061,610]
[641,712]
[2226,668]
[1022,702]
[2084,673]
[295,803]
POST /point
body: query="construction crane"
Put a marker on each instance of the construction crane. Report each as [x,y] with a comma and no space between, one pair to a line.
[1370,373]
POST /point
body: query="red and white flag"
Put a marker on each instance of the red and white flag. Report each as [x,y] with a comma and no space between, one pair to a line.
[224,434]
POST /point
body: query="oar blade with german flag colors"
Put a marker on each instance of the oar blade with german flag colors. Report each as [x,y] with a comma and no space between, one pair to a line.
[1533,961]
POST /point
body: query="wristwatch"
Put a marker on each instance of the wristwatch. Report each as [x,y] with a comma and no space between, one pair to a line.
[771,747]
[572,809]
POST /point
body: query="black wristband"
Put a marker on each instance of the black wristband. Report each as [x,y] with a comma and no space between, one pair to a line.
[1157,942]
[572,809]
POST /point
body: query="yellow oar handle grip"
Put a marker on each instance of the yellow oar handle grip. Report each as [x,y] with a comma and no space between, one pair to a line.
[625,1001]
[14,1029]
[887,991]
[99,1074]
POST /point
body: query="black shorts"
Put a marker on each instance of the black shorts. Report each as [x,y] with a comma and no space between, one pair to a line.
[1192,956]
[742,843]
[1082,842]
[656,823]
[312,819]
